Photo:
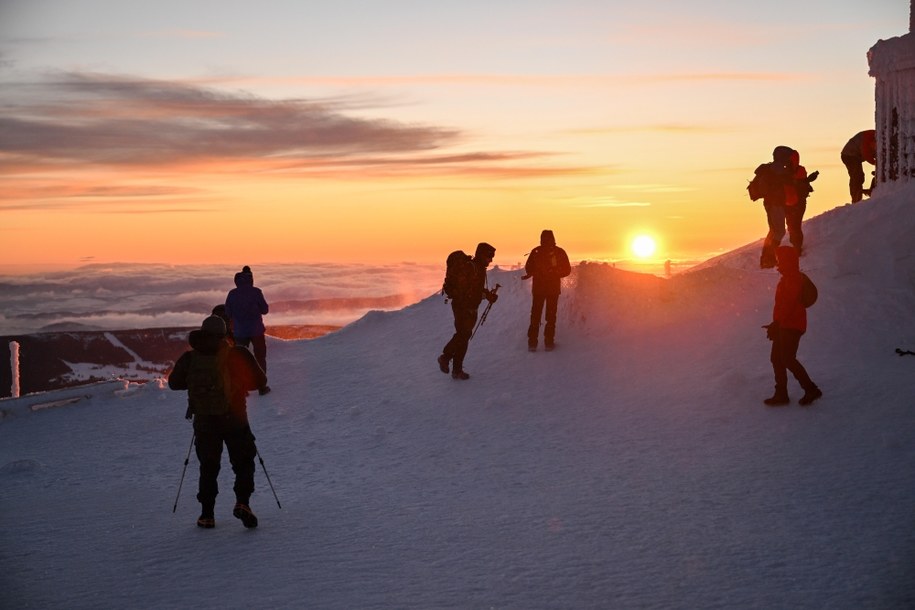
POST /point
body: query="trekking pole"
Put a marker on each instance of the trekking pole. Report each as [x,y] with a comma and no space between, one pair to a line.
[184,470]
[267,475]
[485,312]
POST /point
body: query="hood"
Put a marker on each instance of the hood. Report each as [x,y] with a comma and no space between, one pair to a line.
[787,258]
[782,154]
[204,343]
[484,250]
[795,158]
[547,239]
[244,278]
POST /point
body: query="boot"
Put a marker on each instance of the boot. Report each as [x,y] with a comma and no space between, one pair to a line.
[810,395]
[443,363]
[206,520]
[459,374]
[780,398]
[243,512]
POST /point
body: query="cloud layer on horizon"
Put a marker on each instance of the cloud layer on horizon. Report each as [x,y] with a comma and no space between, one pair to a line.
[128,296]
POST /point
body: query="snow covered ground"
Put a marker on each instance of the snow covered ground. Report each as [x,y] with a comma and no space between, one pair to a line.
[633,467]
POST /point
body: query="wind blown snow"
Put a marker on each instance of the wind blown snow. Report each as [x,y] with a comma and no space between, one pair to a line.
[635,466]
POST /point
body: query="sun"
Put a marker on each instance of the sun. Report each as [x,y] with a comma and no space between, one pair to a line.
[643,246]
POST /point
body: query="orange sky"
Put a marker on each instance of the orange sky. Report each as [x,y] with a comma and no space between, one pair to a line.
[202,138]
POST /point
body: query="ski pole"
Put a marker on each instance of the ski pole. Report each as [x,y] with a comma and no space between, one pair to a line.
[268,476]
[184,470]
[485,312]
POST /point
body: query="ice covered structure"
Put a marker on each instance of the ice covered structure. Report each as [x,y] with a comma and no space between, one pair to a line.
[892,64]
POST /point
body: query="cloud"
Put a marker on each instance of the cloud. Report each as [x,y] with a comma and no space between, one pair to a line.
[127,295]
[101,119]
[58,126]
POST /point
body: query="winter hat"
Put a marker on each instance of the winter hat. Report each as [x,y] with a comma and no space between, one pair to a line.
[484,250]
[214,325]
[547,239]
[246,269]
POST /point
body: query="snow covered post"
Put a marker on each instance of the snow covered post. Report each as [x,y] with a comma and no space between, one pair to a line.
[14,368]
[892,64]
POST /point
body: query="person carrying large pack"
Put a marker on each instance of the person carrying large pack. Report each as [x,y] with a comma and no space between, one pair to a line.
[465,286]
[779,184]
[217,378]
[547,265]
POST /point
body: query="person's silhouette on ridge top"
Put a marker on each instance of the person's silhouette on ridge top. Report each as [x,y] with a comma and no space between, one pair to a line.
[246,308]
[547,265]
[466,293]
[860,147]
[779,184]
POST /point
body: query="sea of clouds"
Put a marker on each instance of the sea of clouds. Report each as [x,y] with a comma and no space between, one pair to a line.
[128,296]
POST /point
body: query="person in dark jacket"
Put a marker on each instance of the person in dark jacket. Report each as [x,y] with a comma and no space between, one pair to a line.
[246,308]
[464,307]
[547,265]
[860,148]
[220,416]
[789,323]
[777,185]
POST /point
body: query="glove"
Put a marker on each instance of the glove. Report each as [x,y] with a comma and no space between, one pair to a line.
[813,176]
[771,331]
[189,414]
[492,297]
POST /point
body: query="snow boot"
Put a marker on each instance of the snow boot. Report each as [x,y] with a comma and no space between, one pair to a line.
[532,345]
[809,396]
[243,512]
[443,363]
[779,399]
[264,390]
[549,346]
[206,522]
[459,374]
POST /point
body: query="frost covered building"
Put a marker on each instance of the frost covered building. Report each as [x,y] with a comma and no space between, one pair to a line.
[892,64]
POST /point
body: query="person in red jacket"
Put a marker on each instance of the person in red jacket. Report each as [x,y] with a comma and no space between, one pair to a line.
[789,323]
[796,200]
[860,148]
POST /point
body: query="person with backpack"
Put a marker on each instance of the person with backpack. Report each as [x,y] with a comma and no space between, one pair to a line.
[860,147]
[465,285]
[217,378]
[789,323]
[773,182]
[547,265]
[246,308]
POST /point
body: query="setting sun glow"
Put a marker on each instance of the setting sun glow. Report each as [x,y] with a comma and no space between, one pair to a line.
[643,246]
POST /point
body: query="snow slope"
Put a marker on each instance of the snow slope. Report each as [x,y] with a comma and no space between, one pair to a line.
[634,467]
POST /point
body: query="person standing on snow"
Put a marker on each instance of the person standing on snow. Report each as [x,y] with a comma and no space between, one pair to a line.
[217,378]
[246,308]
[774,183]
[860,148]
[796,201]
[789,323]
[547,265]
[464,306]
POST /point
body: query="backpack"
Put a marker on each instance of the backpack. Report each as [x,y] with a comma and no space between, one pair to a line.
[756,189]
[206,391]
[459,274]
[809,292]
